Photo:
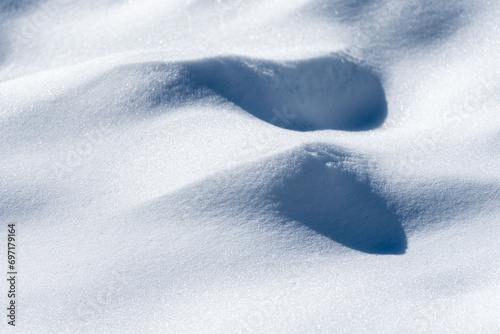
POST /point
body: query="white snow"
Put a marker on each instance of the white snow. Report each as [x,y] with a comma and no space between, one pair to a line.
[260,166]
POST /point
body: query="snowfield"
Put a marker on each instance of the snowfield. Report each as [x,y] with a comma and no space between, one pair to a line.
[260,166]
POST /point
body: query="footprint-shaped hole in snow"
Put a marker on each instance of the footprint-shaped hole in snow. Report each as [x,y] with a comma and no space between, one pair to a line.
[314,94]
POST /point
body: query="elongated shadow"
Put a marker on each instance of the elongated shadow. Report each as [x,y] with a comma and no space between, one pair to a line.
[314,94]
[336,204]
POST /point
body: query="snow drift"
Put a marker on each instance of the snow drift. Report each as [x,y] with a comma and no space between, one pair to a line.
[251,166]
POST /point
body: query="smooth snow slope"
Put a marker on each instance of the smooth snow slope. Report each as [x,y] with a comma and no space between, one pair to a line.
[204,166]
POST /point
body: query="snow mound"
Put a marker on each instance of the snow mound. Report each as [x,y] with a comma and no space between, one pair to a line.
[260,166]
[308,187]
[314,94]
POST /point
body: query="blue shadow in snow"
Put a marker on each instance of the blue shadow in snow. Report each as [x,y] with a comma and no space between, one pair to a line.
[315,94]
[336,204]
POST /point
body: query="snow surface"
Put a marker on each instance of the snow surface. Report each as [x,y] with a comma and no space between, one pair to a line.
[258,166]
